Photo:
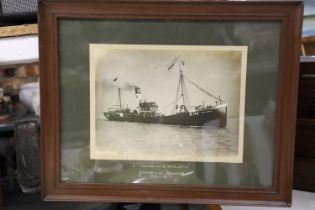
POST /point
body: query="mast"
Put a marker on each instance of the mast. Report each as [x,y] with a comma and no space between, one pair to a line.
[181,81]
[181,91]
[183,94]
[119,98]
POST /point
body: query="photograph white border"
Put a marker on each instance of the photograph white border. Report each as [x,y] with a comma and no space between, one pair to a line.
[222,159]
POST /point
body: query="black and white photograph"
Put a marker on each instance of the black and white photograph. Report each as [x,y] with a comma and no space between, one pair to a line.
[167,102]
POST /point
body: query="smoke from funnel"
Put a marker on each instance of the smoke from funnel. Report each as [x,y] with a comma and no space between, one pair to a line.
[128,86]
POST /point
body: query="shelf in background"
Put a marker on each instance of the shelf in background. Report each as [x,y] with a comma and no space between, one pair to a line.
[19,50]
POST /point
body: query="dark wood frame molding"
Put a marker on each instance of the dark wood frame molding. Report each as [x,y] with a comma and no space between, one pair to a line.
[288,12]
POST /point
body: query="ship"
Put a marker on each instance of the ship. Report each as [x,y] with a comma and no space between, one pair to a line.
[181,113]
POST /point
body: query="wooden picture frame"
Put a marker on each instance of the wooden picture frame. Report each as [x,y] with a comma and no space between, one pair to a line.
[278,190]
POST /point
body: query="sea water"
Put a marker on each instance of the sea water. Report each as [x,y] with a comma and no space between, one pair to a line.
[142,141]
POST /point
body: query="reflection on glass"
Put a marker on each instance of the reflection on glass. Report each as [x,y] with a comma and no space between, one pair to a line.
[263,41]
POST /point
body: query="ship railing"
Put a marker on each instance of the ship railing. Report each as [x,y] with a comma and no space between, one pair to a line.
[115,108]
[150,112]
[200,108]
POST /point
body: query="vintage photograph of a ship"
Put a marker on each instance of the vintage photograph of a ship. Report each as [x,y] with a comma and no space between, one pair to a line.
[182,114]
[167,103]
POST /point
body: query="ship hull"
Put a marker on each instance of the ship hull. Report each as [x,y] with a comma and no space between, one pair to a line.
[132,118]
[213,117]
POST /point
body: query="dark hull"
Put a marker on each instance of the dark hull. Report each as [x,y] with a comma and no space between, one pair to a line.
[197,119]
[213,117]
[133,118]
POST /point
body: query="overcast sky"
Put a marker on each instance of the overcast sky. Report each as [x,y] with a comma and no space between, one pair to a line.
[216,69]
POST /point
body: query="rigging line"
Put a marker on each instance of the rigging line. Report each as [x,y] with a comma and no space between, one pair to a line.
[182,88]
[203,90]
[173,102]
[185,94]
[177,91]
